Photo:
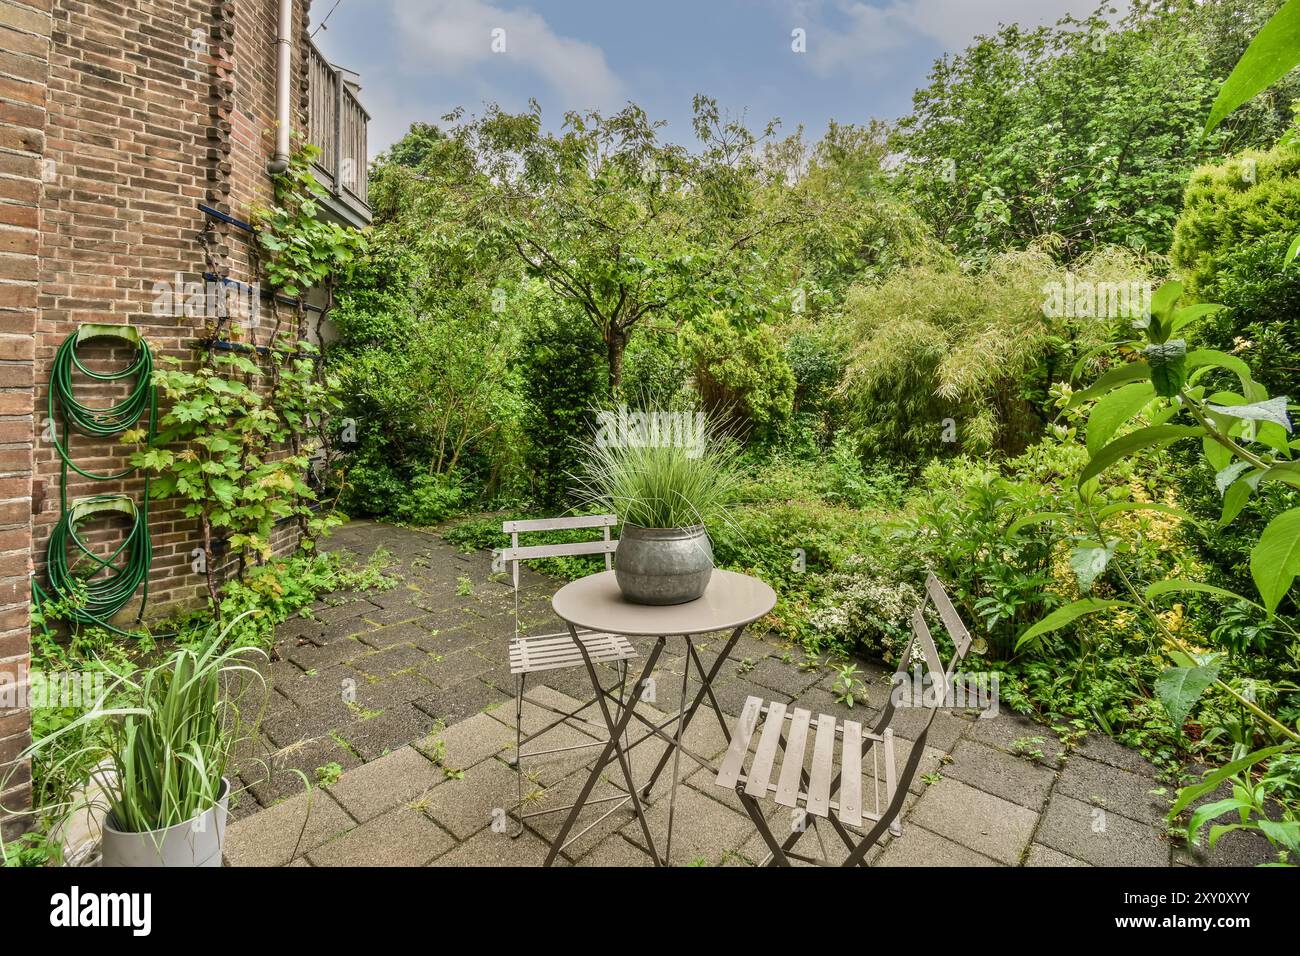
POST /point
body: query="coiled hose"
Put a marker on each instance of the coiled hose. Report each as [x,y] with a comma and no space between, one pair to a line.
[97,588]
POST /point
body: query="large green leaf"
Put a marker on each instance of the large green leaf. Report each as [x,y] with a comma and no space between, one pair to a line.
[1273,53]
[1234,499]
[1188,314]
[1088,561]
[1286,832]
[1213,358]
[1038,517]
[1179,688]
[1114,410]
[1275,559]
[1288,473]
[1271,410]
[1210,782]
[1179,586]
[1170,510]
[1066,615]
[1168,361]
[1164,298]
[1120,375]
[1135,441]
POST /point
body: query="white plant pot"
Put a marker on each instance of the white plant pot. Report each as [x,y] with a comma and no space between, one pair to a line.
[196,842]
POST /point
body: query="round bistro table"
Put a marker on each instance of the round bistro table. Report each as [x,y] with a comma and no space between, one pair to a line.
[731,602]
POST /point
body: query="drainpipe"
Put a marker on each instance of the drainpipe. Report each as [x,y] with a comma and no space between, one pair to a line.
[282,69]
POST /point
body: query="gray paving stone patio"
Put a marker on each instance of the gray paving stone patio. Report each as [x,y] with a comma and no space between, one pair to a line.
[399,703]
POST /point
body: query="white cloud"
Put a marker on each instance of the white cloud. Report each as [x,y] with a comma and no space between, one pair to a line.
[845,35]
[455,37]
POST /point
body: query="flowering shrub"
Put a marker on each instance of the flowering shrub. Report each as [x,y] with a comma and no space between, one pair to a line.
[864,611]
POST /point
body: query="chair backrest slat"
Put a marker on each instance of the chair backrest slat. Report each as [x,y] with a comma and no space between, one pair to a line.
[516,553]
[559,524]
[569,548]
[891,773]
[940,676]
[961,638]
[928,651]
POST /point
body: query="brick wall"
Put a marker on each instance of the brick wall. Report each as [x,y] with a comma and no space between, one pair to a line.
[155,106]
[116,120]
[24,65]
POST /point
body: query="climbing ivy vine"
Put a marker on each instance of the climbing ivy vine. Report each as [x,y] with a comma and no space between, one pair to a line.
[247,422]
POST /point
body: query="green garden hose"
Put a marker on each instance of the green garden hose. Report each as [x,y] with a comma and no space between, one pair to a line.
[102,586]
[97,588]
[100,422]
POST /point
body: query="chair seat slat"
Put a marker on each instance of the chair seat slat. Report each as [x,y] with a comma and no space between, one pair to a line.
[760,772]
[823,760]
[528,655]
[734,761]
[851,775]
[890,777]
[787,784]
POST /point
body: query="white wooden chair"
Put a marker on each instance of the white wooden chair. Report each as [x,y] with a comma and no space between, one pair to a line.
[530,654]
[849,777]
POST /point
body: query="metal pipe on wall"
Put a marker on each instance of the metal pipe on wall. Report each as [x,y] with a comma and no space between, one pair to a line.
[283,67]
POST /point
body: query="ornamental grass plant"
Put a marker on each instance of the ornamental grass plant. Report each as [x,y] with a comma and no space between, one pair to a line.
[160,738]
[655,482]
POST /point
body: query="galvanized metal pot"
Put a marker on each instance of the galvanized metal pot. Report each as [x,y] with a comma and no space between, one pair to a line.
[663,565]
[196,842]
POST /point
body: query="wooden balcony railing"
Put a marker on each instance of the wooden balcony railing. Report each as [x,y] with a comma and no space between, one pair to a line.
[336,123]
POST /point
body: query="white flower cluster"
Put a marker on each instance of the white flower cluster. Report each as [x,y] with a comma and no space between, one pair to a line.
[867,608]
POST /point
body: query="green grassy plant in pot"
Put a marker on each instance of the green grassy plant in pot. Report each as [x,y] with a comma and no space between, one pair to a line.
[161,757]
[666,486]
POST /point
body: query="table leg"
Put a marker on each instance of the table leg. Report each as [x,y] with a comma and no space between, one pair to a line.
[677,750]
[616,730]
[713,701]
[705,690]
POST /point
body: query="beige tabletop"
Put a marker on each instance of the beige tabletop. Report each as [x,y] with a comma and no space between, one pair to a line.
[730,600]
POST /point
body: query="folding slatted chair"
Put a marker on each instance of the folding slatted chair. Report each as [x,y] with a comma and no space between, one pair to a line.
[832,787]
[530,654]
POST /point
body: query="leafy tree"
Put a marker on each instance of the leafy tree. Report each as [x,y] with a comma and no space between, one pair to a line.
[419,144]
[941,358]
[1230,245]
[624,227]
[427,333]
[560,381]
[742,375]
[1086,130]
[852,226]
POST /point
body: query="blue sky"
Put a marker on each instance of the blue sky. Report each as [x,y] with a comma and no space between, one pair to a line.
[420,58]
